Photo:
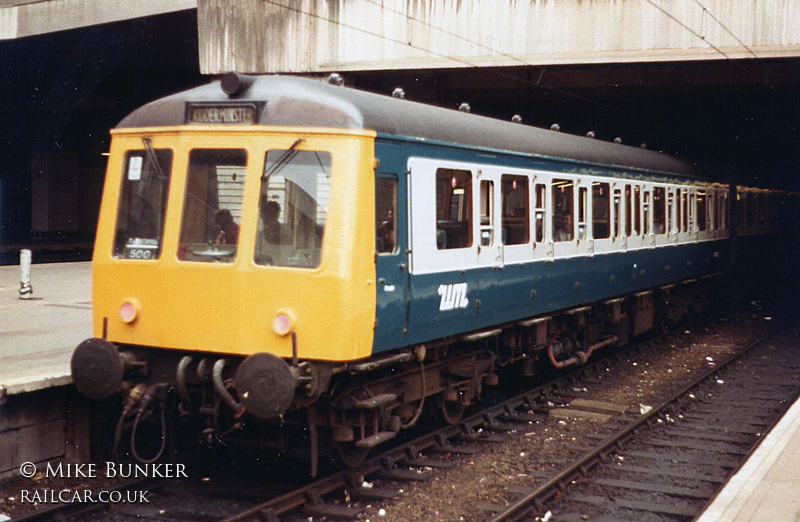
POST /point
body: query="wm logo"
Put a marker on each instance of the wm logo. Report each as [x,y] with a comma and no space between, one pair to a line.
[453,296]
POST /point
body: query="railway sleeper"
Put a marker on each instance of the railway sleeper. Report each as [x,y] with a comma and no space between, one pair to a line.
[317,507]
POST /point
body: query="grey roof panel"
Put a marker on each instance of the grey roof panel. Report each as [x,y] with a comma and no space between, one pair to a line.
[302,102]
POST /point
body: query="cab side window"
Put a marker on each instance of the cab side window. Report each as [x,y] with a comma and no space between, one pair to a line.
[386,215]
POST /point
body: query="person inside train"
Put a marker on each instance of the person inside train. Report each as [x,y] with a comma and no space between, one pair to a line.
[386,234]
[228,229]
[564,230]
[274,232]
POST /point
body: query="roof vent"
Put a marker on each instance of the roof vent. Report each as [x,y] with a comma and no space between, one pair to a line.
[516,118]
[617,140]
[591,134]
[555,127]
[336,79]
[399,93]
[233,84]
[464,107]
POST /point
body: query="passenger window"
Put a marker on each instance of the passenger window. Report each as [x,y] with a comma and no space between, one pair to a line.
[685,210]
[617,212]
[541,205]
[671,211]
[142,204]
[582,213]
[659,211]
[515,209]
[212,207]
[563,223]
[705,219]
[601,206]
[628,210]
[293,208]
[386,215]
[453,209]
[487,206]
[637,210]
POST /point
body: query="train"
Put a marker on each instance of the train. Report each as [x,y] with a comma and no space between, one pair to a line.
[302,261]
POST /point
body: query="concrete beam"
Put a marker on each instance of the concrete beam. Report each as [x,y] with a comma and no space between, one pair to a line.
[21,18]
[317,36]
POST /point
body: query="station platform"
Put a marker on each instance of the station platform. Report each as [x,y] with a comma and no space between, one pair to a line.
[38,336]
[767,486]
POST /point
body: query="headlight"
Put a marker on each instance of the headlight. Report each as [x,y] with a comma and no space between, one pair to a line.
[284,322]
[129,310]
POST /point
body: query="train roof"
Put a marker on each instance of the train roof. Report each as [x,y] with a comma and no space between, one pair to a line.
[302,102]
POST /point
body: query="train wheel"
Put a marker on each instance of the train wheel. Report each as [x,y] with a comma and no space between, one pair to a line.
[664,323]
[348,454]
[449,412]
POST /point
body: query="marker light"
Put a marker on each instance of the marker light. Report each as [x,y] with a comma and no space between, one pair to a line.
[129,311]
[284,322]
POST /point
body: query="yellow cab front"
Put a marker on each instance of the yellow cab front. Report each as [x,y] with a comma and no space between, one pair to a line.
[229,240]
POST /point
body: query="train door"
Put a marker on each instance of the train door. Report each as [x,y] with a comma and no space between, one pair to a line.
[542,246]
[601,216]
[648,218]
[616,218]
[671,216]
[585,245]
[390,261]
[515,213]
[490,247]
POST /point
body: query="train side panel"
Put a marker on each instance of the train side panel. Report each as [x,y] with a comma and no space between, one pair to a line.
[487,283]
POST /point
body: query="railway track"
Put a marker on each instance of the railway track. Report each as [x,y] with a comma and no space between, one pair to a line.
[672,461]
[345,494]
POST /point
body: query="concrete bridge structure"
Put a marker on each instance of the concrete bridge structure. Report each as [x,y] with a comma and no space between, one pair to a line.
[312,36]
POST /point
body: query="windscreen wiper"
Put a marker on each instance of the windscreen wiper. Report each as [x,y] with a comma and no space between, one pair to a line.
[285,158]
[151,154]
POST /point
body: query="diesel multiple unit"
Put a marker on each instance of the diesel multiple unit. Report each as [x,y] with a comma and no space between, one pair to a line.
[306,262]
